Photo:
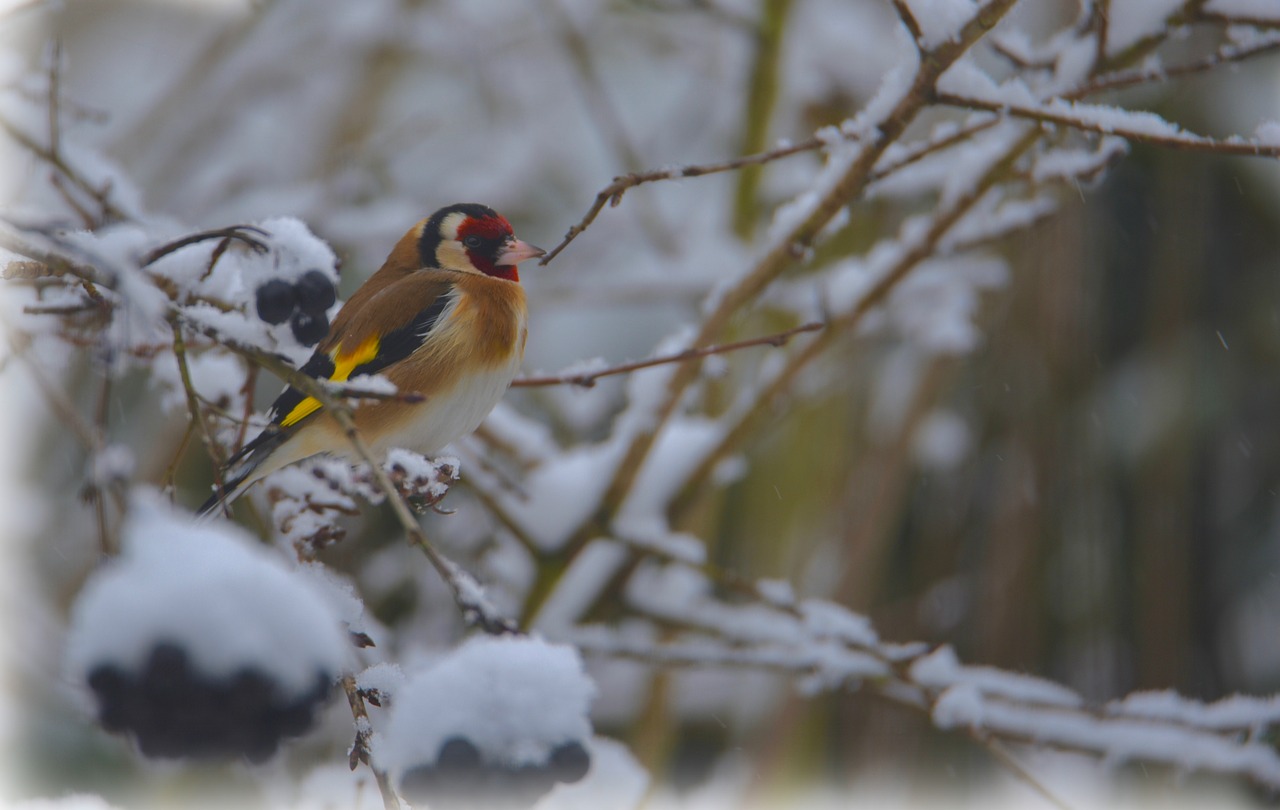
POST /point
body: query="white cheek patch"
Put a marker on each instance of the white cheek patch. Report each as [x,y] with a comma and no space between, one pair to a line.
[449,227]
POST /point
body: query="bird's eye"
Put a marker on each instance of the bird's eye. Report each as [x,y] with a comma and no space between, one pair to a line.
[472,241]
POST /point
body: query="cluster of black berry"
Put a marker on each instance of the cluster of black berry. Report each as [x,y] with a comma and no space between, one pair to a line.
[303,303]
[460,778]
[174,710]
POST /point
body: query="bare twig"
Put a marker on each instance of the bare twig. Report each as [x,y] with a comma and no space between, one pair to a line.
[194,414]
[909,20]
[1121,79]
[54,103]
[102,196]
[241,233]
[587,379]
[611,194]
[1101,30]
[1001,753]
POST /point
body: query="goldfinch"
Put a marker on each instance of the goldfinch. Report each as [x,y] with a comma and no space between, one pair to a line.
[444,318]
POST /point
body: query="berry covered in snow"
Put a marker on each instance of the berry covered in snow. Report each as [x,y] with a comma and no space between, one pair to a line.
[174,710]
[461,778]
[199,643]
[498,723]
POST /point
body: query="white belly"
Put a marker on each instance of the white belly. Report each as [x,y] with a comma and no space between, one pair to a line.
[452,414]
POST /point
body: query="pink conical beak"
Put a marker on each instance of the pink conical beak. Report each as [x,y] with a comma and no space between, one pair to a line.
[518,251]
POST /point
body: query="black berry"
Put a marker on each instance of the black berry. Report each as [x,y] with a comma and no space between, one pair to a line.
[277,300]
[174,710]
[309,329]
[569,762]
[525,784]
[315,292]
[458,754]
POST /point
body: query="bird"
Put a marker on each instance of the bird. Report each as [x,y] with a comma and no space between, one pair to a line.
[443,318]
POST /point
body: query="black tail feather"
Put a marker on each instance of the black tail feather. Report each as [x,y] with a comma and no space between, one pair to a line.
[239,469]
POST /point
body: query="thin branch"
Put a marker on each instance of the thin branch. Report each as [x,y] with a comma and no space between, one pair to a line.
[611,194]
[1102,31]
[1001,753]
[604,113]
[1047,115]
[194,414]
[237,232]
[587,379]
[55,92]
[1121,79]
[909,20]
[99,195]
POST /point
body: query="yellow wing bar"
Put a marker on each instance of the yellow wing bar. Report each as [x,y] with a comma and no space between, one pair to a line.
[343,365]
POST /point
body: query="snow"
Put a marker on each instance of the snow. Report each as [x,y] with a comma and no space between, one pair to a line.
[941,20]
[1261,10]
[993,217]
[514,698]
[385,678]
[217,377]
[828,620]
[935,305]
[112,464]
[1071,163]
[1132,20]
[1267,134]
[330,786]
[431,475]
[580,586]
[1236,712]
[228,601]
[942,670]
[942,440]
[843,145]
[968,705]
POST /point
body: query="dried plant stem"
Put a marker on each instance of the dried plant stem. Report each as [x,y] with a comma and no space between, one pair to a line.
[360,747]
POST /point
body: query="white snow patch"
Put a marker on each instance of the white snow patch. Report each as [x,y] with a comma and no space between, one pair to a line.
[209,588]
[942,440]
[1261,10]
[941,669]
[514,698]
[1132,20]
[941,20]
